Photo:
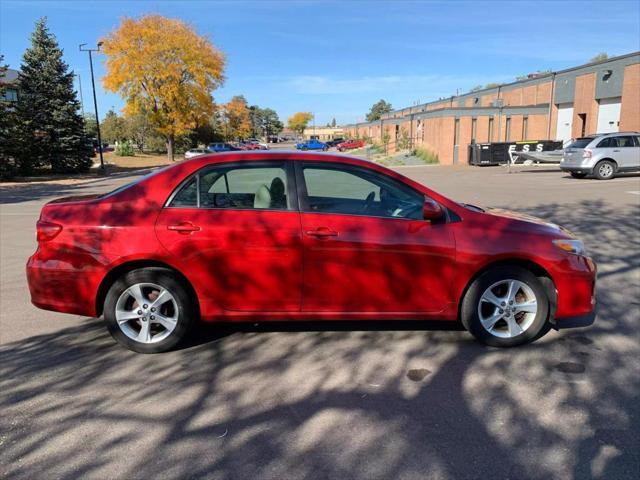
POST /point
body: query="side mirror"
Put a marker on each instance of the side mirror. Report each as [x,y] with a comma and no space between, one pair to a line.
[432,210]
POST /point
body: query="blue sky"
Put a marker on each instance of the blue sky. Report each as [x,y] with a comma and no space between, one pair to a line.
[337,58]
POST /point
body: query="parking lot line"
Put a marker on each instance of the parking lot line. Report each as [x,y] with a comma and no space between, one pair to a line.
[634,192]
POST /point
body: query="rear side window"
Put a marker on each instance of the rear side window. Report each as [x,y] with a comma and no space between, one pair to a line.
[606,143]
[239,187]
[618,142]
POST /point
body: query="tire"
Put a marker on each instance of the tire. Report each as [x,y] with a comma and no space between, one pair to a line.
[324,149]
[341,149]
[304,149]
[605,170]
[177,310]
[530,325]
[578,175]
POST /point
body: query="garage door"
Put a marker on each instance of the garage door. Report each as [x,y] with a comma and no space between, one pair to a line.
[565,121]
[609,115]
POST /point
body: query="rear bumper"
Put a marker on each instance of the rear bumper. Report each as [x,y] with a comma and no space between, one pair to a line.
[63,287]
[576,168]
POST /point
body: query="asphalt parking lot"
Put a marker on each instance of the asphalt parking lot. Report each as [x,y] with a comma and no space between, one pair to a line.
[364,401]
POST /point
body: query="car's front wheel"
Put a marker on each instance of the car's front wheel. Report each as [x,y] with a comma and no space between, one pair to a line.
[149,310]
[604,170]
[505,307]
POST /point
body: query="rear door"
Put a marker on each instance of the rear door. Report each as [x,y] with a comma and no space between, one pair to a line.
[236,229]
[367,248]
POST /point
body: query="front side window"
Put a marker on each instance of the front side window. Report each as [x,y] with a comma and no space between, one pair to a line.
[625,142]
[242,187]
[357,191]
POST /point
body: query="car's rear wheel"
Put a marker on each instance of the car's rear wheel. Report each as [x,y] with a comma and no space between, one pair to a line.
[578,175]
[324,149]
[505,307]
[149,310]
[605,170]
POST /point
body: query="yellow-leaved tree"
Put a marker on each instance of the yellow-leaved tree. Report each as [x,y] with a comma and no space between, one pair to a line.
[299,121]
[163,69]
[237,121]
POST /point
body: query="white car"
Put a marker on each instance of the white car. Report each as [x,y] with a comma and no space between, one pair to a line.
[602,155]
[195,152]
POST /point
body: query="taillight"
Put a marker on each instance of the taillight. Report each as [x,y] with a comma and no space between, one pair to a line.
[587,153]
[47,230]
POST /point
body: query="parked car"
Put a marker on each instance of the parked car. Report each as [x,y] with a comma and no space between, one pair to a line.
[257,236]
[222,147]
[312,144]
[602,156]
[335,141]
[255,141]
[350,145]
[250,146]
[195,152]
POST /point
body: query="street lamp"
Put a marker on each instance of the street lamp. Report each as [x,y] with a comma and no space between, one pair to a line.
[95,102]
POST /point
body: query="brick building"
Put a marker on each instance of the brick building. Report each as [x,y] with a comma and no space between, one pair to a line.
[597,97]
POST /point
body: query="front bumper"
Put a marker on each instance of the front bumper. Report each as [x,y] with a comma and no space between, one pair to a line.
[578,321]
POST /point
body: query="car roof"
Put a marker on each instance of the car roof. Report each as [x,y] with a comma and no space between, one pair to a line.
[611,134]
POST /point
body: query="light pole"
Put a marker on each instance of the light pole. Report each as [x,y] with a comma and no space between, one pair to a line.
[80,88]
[95,102]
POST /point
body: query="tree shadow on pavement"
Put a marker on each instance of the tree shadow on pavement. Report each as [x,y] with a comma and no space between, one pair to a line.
[327,401]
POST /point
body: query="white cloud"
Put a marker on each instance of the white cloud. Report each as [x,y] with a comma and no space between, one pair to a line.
[433,84]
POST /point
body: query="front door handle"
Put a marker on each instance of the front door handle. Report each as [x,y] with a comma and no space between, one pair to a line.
[616,150]
[322,232]
[184,227]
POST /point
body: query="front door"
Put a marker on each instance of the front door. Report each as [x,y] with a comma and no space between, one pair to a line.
[236,228]
[367,247]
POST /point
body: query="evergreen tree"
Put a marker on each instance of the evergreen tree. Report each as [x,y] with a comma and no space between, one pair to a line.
[7,162]
[50,129]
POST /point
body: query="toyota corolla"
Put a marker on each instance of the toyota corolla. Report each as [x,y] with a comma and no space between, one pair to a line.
[258,236]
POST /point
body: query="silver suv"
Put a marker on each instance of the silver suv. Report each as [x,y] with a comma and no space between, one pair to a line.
[602,155]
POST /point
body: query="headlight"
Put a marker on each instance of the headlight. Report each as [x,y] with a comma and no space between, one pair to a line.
[570,246]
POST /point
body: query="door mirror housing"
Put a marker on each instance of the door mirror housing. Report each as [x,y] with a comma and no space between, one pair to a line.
[432,210]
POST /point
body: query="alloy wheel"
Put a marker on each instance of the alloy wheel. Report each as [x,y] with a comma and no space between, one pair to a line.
[146,312]
[605,170]
[507,308]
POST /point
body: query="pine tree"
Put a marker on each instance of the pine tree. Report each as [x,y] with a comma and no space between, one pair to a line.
[50,129]
[7,163]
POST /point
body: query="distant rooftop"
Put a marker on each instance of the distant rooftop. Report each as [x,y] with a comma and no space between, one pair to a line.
[10,76]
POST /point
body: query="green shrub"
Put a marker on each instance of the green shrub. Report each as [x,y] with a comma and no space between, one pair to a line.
[125,149]
[426,155]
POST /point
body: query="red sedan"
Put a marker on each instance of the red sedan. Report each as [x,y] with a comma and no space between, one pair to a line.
[350,145]
[253,236]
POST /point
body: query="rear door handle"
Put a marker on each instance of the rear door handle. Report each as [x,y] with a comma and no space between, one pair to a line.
[322,232]
[184,227]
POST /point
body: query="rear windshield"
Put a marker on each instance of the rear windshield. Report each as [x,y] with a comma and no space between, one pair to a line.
[135,182]
[581,142]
